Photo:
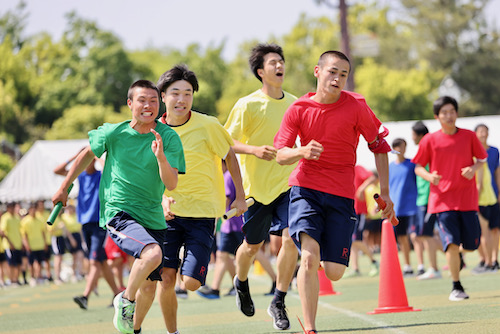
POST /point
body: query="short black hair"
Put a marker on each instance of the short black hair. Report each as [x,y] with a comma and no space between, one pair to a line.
[256,60]
[398,142]
[333,53]
[481,125]
[420,129]
[141,84]
[177,73]
[442,101]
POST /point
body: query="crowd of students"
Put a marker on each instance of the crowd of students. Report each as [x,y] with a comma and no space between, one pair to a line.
[168,178]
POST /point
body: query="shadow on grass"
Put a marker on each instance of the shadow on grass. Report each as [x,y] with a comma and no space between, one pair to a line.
[373,328]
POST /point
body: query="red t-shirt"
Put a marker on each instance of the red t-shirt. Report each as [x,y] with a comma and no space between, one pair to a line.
[360,175]
[337,127]
[447,155]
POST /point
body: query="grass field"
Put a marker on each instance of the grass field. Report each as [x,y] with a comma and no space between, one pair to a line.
[50,308]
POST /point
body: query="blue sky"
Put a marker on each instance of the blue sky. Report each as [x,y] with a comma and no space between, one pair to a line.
[178,23]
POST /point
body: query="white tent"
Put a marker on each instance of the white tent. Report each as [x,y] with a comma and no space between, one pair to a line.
[33,176]
[403,130]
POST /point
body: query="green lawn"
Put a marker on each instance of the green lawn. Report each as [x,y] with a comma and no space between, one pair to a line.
[50,308]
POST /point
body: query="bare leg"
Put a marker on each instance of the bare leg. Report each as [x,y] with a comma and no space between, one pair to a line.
[286,262]
[168,299]
[244,259]
[307,279]
[144,299]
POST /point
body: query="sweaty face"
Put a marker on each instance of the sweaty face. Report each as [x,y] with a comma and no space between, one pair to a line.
[178,99]
[332,75]
[144,105]
[273,70]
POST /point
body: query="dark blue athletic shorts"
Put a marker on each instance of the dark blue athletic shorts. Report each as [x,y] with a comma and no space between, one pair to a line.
[260,219]
[327,218]
[492,214]
[229,242]
[459,227]
[94,237]
[58,245]
[38,256]
[405,224]
[424,222]
[359,228]
[3,257]
[132,237]
[197,237]
[14,257]
[78,238]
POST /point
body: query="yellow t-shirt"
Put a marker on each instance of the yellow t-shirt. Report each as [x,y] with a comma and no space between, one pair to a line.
[55,230]
[487,196]
[254,120]
[371,205]
[34,230]
[11,225]
[200,192]
[43,217]
[71,223]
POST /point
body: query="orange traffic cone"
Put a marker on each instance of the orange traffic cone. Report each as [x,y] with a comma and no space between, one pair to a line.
[391,291]
[325,284]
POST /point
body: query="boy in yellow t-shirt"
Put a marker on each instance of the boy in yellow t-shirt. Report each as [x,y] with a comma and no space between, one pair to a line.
[73,239]
[253,122]
[34,240]
[10,230]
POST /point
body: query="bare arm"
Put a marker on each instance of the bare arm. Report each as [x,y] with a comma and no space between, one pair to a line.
[264,152]
[479,180]
[61,168]
[432,178]
[168,174]
[234,169]
[361,189]
[470,171]
[382,164]
[288,155]
[84,158]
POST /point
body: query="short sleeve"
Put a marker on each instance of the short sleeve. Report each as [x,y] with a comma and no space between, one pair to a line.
[423,154]
[174,152]
[235,122]
[98,140]
[369,124]
[289,129]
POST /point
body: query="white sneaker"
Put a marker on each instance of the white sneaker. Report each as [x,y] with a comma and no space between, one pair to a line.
[458,295]
[431,273]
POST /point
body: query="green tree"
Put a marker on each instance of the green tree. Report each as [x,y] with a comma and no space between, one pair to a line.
[6,164]
[77,121]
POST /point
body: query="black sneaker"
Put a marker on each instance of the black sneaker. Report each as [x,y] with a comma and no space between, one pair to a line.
[244,300]
[81,301]
[278,313]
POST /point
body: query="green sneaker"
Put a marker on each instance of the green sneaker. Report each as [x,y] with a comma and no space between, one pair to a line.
[123,320]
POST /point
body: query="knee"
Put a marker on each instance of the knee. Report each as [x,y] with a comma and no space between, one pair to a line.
[250,250]
[335,273]
[168,279]
[191,284]
[148,290]
[153,254]
[309,262]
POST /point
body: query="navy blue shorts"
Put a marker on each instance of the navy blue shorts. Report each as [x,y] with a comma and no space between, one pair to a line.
[459,227]
[424,222]
[406,224]
[78,238]
[14,257]
[94,237]
[58,245]
[492,214]
[229,242]
[260,219]
[132,237]
[327,218]
[373,225]
[38,256]
[359,228]
[3,257]
[197,237]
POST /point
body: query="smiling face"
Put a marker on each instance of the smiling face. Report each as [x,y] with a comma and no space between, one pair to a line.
[273,71]
[144,106]
[178,99]
[447,116]
[332,75]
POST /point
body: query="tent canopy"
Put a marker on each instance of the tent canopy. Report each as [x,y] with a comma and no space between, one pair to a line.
[33,176]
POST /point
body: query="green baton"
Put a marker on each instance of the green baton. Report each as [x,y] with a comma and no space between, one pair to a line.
[57,208]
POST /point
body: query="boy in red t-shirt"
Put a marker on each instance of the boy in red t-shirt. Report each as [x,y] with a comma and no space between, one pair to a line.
[321,210]
[453,192]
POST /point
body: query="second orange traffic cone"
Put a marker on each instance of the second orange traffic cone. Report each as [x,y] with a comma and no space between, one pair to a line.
[392,292]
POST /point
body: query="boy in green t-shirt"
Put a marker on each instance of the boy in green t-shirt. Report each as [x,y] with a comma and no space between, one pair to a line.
[143,158]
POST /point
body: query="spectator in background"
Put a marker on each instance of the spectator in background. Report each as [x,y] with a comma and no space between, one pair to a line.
[10,230]
[403,185]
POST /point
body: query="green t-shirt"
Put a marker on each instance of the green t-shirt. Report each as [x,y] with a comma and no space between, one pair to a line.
[131,180]
[423,189]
